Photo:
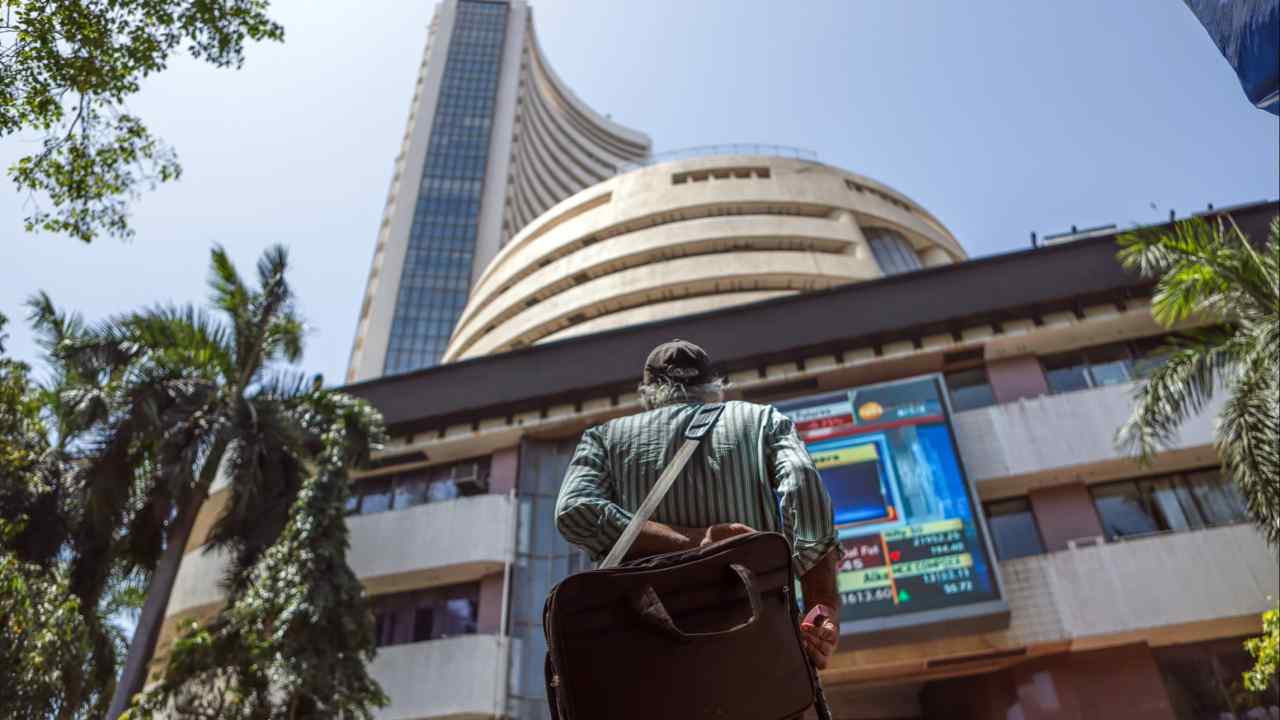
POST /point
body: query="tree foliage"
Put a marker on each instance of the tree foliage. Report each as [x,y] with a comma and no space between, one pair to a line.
[67,70]
[1266,654]
[56,654]
[1209,271]
[45,641]
[45,637]
[259,659]
[161,402]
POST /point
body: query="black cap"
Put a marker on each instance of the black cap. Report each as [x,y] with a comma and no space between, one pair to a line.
[678,361]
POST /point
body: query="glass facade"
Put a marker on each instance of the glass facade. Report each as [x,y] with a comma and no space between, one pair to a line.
[442,240]
[543,558]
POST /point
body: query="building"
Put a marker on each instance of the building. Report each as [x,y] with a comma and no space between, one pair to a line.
[693,235]
[1128,588]
[493,139]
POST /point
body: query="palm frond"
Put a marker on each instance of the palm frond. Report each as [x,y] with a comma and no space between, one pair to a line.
[183,337]
[228,291]
[1174,392]
[1204,269]
[1247,437]
[51,325]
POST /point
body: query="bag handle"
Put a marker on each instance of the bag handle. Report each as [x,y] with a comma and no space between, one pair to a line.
[650,607]
[698,428]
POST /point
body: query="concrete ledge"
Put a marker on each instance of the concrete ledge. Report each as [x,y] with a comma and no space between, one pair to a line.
[1052,439]
[434,544]
[457,678]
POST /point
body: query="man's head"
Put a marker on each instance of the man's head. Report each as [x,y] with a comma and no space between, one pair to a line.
[679,372]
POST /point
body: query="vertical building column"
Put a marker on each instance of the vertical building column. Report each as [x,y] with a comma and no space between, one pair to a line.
[1064,513]
[489,608]
[1015,378]
[503,466]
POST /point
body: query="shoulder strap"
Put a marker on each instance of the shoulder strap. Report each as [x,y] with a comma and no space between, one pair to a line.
[698,428]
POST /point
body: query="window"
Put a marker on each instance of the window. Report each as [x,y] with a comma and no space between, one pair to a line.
[1065,373]
[423,623]
[1178,502]
[418,487]
[1124,510]
[1013,527]
[970,389]
[1109,364]
[1102,365]
[375,496]
[893,253]
[429,614]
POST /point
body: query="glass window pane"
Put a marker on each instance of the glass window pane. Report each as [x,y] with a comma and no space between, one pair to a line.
[411,489]
[1218,498]
[1109,364]
[1123,510]
[1149,354]
[1065,373]
[376,496]
[385,627]
[893,253]
[460,617]
[1169,512]
[970,389]
[442,489]
[1013,529]
[423,624]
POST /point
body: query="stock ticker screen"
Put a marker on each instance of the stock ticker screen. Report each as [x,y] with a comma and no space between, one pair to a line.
[903,508]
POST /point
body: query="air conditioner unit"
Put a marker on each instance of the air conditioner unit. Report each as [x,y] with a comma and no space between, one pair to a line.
[470,478]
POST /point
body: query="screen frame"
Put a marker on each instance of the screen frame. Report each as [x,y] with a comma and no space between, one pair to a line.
[967,619]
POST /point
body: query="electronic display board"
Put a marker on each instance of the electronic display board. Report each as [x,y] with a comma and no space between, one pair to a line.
[915,549]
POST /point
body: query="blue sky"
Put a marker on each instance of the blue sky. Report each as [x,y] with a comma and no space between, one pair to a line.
[1000,118]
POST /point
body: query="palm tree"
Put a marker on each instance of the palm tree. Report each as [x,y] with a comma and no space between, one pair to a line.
[167,401]
[1210,271]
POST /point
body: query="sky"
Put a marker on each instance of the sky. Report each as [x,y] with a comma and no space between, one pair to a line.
[1001,118]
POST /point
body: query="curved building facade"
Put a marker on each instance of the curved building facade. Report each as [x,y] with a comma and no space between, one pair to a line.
[690,236]
[494,139]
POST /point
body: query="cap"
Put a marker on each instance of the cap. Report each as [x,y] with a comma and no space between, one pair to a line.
[678,361]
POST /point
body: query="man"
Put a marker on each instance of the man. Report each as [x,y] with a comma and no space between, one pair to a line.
[752,465]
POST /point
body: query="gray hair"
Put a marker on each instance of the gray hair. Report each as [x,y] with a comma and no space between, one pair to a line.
[659,394]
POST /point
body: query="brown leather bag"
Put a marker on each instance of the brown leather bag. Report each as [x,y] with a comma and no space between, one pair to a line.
[710,633]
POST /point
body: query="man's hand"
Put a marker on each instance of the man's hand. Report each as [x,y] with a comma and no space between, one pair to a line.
[723,531]
[820,640]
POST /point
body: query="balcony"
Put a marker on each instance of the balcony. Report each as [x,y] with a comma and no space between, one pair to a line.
[433,544]
[460,678]
[1164,589]
[1050,434]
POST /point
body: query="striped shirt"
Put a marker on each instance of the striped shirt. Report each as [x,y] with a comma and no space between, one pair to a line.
[752,469]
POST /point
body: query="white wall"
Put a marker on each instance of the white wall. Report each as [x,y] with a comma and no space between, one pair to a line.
[458,677]
[1163,580]
[1034,435]
[433,544]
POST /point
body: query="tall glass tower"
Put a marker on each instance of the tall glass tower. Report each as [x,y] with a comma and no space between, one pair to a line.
[494,139]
